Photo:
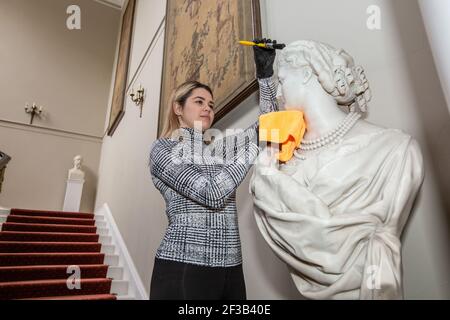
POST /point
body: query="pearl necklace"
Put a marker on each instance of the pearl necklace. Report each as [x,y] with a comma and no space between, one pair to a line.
[334,136]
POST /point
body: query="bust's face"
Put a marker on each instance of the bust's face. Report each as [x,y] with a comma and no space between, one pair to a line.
[78,162]
[292,87]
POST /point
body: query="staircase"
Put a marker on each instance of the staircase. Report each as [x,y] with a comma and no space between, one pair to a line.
[42,252]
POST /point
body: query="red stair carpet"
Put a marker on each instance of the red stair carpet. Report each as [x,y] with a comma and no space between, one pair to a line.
[36,249]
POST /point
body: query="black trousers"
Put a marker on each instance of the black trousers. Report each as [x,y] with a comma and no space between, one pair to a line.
[173,280]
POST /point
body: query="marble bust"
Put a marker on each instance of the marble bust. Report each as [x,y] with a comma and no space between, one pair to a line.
[335,212]
[76,173]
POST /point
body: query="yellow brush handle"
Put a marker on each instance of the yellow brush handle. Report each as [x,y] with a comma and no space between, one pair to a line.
[251,43]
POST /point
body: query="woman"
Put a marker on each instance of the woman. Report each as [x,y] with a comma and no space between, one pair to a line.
[200,255]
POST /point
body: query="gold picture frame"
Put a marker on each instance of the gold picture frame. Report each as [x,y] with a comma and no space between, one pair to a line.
[201,43]
[120,84]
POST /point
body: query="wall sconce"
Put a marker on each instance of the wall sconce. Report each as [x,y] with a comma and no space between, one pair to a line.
[138,97]
[34,110]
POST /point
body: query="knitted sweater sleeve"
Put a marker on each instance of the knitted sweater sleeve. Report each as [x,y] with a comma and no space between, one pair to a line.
[192,181]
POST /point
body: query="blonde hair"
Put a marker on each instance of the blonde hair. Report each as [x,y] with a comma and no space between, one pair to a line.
[179,96]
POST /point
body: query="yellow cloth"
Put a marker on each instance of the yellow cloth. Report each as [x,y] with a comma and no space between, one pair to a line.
[285,128]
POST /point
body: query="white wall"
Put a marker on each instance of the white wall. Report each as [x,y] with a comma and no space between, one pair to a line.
[436,16]
[66,71]
[125,183]
[36,176]
[69,73]
[407,95]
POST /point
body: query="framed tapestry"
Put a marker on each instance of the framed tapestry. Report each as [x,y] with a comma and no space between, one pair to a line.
[201,43]
[120,84]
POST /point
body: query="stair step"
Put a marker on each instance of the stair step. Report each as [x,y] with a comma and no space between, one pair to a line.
[99,217]
[100,224]
[56,214]
[60,228]
[96,217]
[54,237]
[92,297]
[104,239]
[5,211]
[51,220]
[119,287]
[41,247]
[71,258]
[37,248]
[32,289]
[28,273]
[49,236]
[127,297]
[115,273]
[103,231]
[111,260]
[108,248]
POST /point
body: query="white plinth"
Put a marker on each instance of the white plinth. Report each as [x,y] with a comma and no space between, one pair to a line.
[74,190]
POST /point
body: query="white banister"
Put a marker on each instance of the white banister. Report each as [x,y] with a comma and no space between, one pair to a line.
[436,17]
[136,287]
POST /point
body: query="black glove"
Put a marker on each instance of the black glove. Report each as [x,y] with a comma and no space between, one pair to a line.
[264,59]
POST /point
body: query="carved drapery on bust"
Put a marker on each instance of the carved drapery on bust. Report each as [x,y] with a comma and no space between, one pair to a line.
[336,217]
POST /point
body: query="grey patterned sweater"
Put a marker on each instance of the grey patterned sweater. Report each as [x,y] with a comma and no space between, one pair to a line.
[198,182]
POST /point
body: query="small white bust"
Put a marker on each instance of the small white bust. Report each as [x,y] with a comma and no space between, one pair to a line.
[76,173]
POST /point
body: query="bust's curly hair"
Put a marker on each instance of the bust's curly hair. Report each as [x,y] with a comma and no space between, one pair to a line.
[335,70]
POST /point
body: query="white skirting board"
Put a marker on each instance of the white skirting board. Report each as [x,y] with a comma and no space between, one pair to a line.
[136,286]
[5,211]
